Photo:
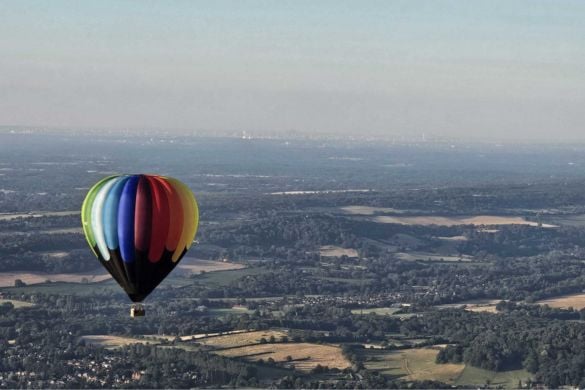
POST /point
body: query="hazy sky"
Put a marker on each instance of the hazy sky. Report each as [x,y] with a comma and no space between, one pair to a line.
[504,69]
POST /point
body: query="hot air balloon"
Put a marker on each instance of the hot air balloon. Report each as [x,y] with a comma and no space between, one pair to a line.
[139,227]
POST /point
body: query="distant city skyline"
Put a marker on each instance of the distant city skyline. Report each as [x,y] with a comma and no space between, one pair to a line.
[497,69]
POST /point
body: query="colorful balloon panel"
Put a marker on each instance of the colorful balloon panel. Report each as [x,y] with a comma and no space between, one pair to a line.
[139,227]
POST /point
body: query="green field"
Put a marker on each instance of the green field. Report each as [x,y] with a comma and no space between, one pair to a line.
[412,364]
[419,364]
[477,377]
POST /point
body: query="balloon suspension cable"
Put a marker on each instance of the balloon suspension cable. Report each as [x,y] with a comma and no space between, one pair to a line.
[137,310]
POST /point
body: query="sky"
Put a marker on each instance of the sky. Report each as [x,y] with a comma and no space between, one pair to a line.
[494,69]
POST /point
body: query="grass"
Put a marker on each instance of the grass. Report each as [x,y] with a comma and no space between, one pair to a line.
[183,346]
[241,339]
[419,364]
[16,304]
[473,376]
[412,364]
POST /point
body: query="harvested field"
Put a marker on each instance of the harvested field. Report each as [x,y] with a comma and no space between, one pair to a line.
[337,251]
[303,356]
[198,266]
[576,301]
[57,254]
[239,339]
[189,264]
[16,304]
[7,278]
[453,238]
[477,306]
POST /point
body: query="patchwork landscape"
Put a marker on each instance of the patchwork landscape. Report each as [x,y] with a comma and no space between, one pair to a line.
[421,280]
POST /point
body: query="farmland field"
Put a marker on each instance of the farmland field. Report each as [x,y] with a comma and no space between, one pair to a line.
[224,278]
[303,356]
[191,337]
[368,210]
[477,377]
[413,364]
[235,310]
[248,345]
[108,341]
[422,256]
[477,305]
[336,251]
[454,238]
[7,278]
[575,220]
[477,220]
[241,339]
[190,265]
[419,364]
[58,288]
[383,311]
[576,301]
[198,266]
[16,304]
[36,214]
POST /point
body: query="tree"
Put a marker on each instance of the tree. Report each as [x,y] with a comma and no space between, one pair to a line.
[19,283]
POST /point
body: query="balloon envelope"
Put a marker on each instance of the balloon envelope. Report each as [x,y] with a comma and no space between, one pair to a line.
[139,227]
